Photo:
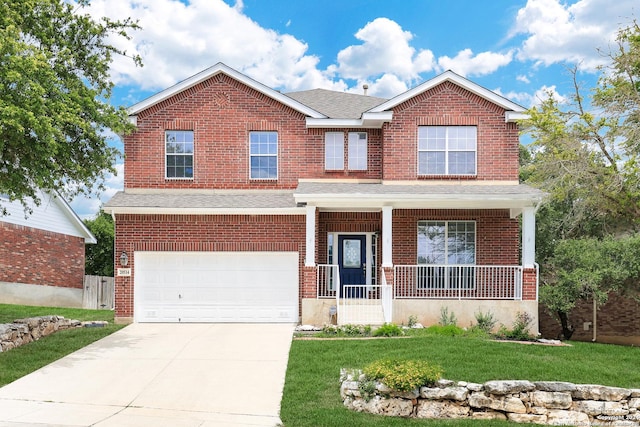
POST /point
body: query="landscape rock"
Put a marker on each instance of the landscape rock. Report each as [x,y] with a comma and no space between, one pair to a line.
[551,399]
[548,403]
[567,418]
[24,331]
[489,415]
[451,393]
[475,387]
[558,386]
[527,418]
[438,409]
[508,387]
[599,392]
[501,403]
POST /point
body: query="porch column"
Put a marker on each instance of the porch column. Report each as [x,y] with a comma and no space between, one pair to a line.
[310,258]
[387,236]
[528,237]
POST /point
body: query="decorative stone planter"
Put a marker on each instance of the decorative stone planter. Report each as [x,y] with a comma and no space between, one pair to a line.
[542,402]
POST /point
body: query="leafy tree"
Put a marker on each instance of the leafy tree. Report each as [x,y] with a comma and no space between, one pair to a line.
[589,268]
[99,257]
[586,155]
[54,92]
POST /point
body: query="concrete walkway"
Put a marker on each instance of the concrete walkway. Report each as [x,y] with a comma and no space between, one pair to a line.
[178,375]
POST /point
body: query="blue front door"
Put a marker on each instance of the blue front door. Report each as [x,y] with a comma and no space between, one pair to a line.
[352,256]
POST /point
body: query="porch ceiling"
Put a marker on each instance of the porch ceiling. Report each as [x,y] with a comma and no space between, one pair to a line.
[340,195]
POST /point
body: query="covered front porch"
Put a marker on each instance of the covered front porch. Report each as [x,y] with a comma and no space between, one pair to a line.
[382,252]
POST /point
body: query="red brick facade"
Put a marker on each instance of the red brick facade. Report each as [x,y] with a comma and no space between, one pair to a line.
[38,257]
[211,233]
[451,105]
[222,111]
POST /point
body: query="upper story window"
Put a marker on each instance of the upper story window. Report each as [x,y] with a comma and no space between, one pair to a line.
[447,150]
[179,153]
[357,151]
[263,153]
[334,151]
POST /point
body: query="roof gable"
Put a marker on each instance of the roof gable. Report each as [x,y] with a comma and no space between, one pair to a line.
[224,69]
[454,78]
[53,214]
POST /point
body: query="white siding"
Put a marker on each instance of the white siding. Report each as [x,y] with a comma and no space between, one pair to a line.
[53,214]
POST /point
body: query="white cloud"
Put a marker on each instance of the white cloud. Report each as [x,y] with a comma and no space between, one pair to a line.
[522,78]
[387,86]
[548,91]
[466,63]
[178,40]
[385,49]
[529,100]
[557,32]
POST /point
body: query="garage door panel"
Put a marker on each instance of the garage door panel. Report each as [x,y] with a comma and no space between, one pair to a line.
[216,286]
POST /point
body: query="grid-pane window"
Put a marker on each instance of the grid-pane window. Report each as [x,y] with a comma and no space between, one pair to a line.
[334,151]
[357,151]
[446,249]
[179,153]
[263,147]
[447,150]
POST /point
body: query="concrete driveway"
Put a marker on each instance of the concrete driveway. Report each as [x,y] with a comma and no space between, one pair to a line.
[159,375]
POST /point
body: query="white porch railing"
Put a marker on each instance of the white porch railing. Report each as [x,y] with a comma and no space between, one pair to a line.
[362,305]
[327,280]
[458,281]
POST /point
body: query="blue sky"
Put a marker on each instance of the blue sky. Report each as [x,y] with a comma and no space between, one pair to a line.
[518,48]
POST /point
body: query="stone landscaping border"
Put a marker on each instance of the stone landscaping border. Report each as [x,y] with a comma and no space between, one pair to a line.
[541,402]
[24,331]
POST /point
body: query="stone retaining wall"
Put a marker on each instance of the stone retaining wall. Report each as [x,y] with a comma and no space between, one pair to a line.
[542,402]
[24,331]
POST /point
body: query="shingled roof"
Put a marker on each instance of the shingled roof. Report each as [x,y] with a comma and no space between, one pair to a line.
[336,105]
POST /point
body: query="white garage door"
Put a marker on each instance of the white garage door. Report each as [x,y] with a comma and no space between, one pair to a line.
[216,287]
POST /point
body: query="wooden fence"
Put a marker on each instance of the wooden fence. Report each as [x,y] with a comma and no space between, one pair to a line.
[99,292]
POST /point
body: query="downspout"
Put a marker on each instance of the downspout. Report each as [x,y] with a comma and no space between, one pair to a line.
[595,319]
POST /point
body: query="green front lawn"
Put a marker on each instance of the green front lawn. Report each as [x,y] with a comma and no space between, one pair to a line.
[28,358]
[312,396]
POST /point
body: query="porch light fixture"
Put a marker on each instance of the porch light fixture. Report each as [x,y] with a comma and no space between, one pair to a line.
[124,259]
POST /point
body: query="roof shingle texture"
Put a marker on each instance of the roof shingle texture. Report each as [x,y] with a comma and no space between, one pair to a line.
[336,105]
[221,201]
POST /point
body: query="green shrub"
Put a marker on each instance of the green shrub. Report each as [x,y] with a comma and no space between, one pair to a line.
[388,330]
[485,321]
[403,375]
[520,329]
[447,318]
[448,330]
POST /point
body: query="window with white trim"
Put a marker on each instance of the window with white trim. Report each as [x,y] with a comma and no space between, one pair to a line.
[179,154]
[334,151]
[357,151]
[447,150]
[447,249]
[263,153]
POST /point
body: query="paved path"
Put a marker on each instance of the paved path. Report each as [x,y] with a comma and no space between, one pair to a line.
[177,375]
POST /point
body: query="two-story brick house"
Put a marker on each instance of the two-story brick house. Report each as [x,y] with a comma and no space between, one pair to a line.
[243,204]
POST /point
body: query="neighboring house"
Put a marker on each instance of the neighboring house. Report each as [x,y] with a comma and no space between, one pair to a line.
[42,253]
[243,204]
